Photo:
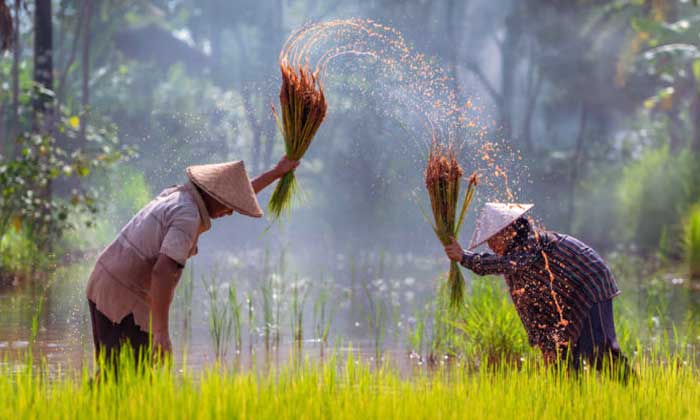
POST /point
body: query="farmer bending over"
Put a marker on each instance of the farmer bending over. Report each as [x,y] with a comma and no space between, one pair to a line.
[134,279]
[561,288]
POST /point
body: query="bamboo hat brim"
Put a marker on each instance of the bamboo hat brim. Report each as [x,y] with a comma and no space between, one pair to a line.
[229,184]
[494,218]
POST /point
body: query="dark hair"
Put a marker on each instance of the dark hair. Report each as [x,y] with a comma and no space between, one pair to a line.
[522,228]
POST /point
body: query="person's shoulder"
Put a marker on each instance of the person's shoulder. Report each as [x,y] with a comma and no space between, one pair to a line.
[573,245]
[176,202]
[571,241]
[540,237]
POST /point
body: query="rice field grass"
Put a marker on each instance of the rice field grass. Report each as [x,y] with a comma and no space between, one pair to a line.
[352,389]
[468,363]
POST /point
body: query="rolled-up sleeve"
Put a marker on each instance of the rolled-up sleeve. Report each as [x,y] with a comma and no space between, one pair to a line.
[181,234]
[486,264]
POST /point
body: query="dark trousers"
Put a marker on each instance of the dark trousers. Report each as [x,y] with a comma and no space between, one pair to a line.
[597,345]
[110,337]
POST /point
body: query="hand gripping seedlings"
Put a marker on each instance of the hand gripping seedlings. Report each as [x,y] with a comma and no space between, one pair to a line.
[443,177]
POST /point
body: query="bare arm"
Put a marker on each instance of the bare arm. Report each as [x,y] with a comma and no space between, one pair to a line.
[164,278]
[266,178]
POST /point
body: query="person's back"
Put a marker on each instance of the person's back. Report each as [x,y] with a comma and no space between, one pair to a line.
[561,288]
[132,285]
[554,280]
[170,224]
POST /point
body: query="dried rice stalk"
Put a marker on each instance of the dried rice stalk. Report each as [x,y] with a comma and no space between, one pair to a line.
[442,179]
[302,110]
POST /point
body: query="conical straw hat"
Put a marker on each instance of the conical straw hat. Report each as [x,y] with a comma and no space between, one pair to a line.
[229,184]
[495,217]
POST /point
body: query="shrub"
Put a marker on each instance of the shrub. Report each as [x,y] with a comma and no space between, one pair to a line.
[485,327]
[691,242]
[651,194]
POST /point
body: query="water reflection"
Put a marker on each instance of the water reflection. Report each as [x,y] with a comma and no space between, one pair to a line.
[372,305]
[335,306]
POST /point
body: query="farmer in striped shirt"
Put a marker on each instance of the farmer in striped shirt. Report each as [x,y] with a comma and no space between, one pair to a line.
[562,289]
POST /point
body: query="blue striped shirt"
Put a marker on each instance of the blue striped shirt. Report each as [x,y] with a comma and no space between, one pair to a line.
[554,280]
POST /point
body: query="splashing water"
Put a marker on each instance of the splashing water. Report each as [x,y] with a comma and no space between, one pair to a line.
[411,89]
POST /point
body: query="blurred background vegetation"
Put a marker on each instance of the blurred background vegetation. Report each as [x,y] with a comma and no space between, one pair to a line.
[103,103]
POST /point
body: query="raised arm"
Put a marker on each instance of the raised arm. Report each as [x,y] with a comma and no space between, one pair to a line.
[266,178]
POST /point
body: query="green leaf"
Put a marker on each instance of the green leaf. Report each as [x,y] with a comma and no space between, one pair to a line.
[74,122]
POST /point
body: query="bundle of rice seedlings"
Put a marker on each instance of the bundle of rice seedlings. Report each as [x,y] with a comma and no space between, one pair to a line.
[302,110]
[443,176]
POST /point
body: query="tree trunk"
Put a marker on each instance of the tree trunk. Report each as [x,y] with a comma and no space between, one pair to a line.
[16,57]
[534,87]
[508,64]
[43,65]
[575,165]
[85,97]
[6,27]
[42,102]
[60,88]
[530,114]
[7,35]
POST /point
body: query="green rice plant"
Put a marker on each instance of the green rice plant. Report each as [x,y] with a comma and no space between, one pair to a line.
[279,292]
[628,332]
[236,316]
[444,338]
[350,388]
[299,294]
[691,242]
[323,314]
[485,328]
[220,314]
[353,286]
[40,301]
[38,311]
[376,318]
[251,320]
[267,295]
[491,325]
[183,301]
[416,335]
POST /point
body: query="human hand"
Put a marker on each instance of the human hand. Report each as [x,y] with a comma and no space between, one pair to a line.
[454,250]
[162,346]
[285,165]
